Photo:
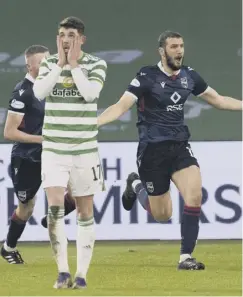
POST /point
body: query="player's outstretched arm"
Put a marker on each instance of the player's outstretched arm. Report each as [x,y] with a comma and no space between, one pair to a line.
[114,111]
[220,102]
[11,131]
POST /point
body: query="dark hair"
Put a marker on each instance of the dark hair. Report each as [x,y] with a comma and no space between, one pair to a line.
[74,23]
[35,49]
[167,34]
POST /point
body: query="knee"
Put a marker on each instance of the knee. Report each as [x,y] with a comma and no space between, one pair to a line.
[25,211]
[84,214]
[162,214]
[84,208]
[161,207]
[55,196]
[194,198]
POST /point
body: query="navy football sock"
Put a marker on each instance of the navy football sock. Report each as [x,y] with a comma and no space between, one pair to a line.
[189,229]
[142,197]
[15,230]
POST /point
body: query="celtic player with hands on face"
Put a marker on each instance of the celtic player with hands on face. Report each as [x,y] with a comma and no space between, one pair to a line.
[71,82]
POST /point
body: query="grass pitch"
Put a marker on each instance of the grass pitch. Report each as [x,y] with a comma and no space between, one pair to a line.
[146,268]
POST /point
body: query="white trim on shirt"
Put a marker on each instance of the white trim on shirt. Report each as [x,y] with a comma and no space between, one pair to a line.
[15,112]
[132,95]
[29,77]
[163,70]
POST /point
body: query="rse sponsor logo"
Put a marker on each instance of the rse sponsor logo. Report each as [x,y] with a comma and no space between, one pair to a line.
[175,107]
[17,104]
[65,93]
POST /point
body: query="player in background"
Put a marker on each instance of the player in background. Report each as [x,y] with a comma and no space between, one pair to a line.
[24,126]
[164,154]
[71,82]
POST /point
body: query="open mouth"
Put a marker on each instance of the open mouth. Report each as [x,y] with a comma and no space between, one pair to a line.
[65,47]
[178,59]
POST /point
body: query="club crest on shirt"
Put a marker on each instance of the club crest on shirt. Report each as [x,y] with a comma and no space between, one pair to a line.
[68,82]
[184,82]
[85,71]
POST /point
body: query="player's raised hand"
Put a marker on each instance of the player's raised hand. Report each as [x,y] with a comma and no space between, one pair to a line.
[62,58]
[74,52]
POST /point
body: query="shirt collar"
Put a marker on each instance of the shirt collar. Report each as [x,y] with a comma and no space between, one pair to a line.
[163,70]
[30,78]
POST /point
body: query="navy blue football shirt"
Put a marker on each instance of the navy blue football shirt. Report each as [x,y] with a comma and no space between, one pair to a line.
[160,102]
[24,102]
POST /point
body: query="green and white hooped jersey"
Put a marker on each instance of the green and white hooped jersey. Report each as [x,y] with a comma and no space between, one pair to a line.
[70,123]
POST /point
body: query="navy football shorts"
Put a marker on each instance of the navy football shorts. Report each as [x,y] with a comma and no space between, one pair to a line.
[26,178]
[160,160]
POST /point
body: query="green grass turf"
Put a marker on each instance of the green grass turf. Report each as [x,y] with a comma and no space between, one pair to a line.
[130,268]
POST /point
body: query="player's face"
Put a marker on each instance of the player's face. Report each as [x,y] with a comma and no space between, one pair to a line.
[174,53]
[34,61]
[68,35]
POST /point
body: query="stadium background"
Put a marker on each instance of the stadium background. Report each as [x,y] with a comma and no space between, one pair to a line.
[125,34]
[212,40]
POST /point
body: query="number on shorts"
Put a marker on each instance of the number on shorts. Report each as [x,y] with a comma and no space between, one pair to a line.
[95,170]
[190,151]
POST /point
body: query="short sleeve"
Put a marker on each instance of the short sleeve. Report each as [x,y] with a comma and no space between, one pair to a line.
[139,85]
[19,101]
[200,85]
